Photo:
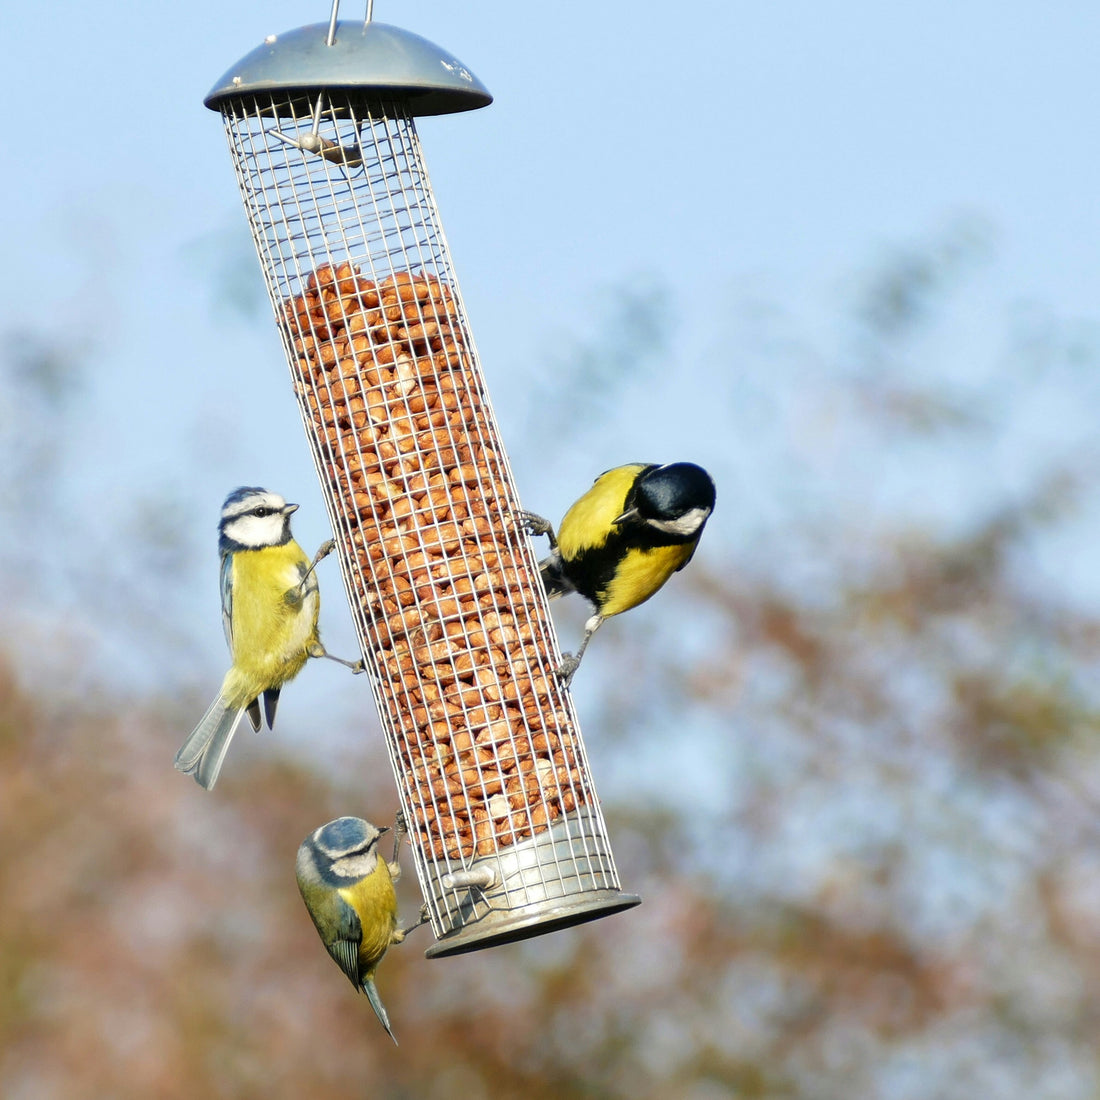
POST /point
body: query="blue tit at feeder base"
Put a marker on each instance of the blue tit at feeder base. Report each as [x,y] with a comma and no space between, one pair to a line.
[270,604]
[620,542]
[348,890]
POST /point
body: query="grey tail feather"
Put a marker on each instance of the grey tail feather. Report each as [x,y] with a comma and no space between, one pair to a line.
[554,579]
[271,701]
[253,710]
[202,754]
[371,990]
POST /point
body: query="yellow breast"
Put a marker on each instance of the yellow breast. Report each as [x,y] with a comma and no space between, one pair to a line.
[272,632]
[374,899]
[640,574]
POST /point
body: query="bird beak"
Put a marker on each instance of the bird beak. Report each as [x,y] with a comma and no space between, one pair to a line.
[630,513]
[383,829]
[289,508]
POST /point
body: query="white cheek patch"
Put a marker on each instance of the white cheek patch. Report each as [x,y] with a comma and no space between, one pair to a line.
[685,525]
[357,866]
[256,531]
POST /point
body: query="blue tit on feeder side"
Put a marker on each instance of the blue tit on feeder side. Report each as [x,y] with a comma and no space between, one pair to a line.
[620,542]
[270,604]
[348,890]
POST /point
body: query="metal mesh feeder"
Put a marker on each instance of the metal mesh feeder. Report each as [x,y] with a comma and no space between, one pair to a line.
[507,835]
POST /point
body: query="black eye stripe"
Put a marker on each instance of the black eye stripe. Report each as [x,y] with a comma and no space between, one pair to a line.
[257,511]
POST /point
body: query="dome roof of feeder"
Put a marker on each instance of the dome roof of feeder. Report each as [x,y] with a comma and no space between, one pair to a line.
[375,59]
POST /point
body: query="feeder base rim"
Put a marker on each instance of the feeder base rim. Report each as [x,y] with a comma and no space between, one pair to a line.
[535,920]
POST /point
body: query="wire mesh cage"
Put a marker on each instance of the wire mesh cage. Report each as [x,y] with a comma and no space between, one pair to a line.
[506,830]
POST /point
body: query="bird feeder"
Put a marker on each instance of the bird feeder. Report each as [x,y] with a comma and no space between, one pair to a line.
[505,827]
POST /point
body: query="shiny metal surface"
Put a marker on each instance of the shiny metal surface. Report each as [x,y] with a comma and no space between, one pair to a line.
[367,60]
[561,877]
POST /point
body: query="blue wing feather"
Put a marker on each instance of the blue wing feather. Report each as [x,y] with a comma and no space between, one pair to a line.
[227,599]
[349,935]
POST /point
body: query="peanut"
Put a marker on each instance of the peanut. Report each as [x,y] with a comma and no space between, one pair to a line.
[417,478]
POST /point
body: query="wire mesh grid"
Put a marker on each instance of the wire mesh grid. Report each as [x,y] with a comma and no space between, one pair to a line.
[452,619]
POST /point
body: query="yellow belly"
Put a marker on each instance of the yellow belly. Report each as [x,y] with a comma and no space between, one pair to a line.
[374,899]
[640,575]
[272,633]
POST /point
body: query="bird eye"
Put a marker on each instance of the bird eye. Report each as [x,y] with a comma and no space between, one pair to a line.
[262,512]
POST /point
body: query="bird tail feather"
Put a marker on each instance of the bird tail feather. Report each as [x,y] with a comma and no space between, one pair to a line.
[202,754]
[553,576]
[371,990]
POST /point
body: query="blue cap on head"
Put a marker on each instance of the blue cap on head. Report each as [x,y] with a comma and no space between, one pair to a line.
[345,835]
[242,493]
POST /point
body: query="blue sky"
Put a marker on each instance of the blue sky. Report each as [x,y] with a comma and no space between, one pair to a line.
[717,154]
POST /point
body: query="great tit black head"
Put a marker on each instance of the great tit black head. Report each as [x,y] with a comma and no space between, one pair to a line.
[676,498]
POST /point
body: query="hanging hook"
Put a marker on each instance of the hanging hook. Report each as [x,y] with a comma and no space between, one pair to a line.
[370,12]
[312,141]
[332,23]
[346,156]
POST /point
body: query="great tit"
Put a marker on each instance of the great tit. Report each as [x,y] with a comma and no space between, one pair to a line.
[348,890]
[623,539]
[270,604]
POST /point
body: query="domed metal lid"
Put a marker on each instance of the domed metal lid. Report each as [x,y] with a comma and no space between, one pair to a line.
[374,59]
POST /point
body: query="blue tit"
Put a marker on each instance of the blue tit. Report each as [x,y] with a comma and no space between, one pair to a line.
[348,890]
[620,542]
[270,603]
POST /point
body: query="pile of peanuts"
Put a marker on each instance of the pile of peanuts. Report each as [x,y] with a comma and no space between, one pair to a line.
[455,634]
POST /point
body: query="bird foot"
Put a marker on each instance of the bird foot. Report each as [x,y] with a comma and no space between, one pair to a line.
[422,918]
[536,525]
[569,665]
[400,829]
[323,552]
[318,650]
